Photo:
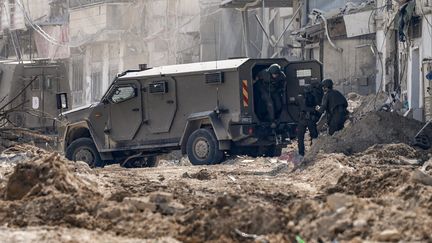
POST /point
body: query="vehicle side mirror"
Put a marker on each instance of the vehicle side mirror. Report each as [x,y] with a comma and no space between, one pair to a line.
[62,101]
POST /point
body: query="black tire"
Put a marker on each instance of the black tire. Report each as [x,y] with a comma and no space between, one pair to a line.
[273,151]
[83,149]
[423,142]
[140,162]
[203,148]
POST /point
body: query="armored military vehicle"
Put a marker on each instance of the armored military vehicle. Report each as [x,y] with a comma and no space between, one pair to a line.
[207,110]
[32,93]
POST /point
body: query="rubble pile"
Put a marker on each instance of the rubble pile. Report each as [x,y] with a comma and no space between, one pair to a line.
[378,194]
[359,105]
[46,189]
[9,137]
[374,128]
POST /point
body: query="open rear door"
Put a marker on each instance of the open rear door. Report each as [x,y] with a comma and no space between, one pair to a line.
[300,74]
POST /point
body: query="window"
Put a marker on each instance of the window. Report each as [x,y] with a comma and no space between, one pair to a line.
[304,73]
[36,84]
[49,83]
[77,80]
[77,73]
[159,87]
[122,93]
[96,86]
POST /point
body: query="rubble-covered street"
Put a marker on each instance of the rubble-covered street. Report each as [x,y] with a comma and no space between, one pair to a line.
[264,121]
[381,192]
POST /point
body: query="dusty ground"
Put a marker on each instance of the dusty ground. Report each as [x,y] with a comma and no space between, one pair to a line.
[382,193]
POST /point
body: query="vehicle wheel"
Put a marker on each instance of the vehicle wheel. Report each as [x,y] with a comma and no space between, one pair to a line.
[203,148]
[422,141]
[273,151]
[83,149]
[252,152]
[140,162]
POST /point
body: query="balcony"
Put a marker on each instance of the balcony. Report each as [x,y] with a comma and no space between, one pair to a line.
[98,17]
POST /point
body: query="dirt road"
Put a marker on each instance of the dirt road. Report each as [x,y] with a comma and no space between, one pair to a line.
[381,194]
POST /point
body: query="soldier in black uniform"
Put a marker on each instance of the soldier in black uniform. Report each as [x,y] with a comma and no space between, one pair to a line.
[335,105]
[308,117]
[270,84]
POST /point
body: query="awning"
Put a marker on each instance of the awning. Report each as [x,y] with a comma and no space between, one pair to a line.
[256,4]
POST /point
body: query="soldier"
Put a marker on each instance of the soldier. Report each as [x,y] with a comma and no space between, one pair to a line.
[308,117]
[271,85]
[335,105]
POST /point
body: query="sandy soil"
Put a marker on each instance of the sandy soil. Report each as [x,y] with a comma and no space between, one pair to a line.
[378,193]
[381,194]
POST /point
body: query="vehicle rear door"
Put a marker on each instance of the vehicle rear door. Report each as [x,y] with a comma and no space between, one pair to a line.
[300,74]
[34,94]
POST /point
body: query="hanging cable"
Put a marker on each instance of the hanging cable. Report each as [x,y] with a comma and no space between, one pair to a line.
[328,34]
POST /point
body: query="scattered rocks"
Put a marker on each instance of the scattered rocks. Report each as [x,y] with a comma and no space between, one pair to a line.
[339,200]
[141,203]
[201,175]
[389,235]
[374,128]
[160,197]
[419,176]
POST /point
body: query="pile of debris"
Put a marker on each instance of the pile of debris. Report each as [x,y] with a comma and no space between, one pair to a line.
[9,137]
[359,105]
[379,194]
[38,185]
[374,128]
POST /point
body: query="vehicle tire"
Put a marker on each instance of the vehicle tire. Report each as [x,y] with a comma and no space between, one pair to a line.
[273,151]
[251,152]
[83,149]
[140,162]
[423,142]
[203,148]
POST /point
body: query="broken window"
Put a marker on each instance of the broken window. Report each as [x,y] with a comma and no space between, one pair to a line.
[123,93]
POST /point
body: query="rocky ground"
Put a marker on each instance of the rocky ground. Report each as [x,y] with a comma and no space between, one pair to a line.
[381,192]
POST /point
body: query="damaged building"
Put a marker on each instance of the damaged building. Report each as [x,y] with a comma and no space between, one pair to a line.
[373,46]
[366,46]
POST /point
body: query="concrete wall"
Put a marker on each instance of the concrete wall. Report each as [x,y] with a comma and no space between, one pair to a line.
[37,9]
[87,20]
[352,70]
[419,50]
[123,35]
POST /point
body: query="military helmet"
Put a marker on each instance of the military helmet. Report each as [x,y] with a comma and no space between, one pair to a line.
[275,69]
[328,83]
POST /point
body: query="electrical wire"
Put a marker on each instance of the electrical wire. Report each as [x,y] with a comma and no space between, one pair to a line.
[328,34]
[374,44]
[51,39]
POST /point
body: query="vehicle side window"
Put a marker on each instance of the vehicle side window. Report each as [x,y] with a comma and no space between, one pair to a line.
[123,93]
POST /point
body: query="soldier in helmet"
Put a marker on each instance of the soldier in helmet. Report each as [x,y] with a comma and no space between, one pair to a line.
[335,105]
[270,84]
[308,117]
